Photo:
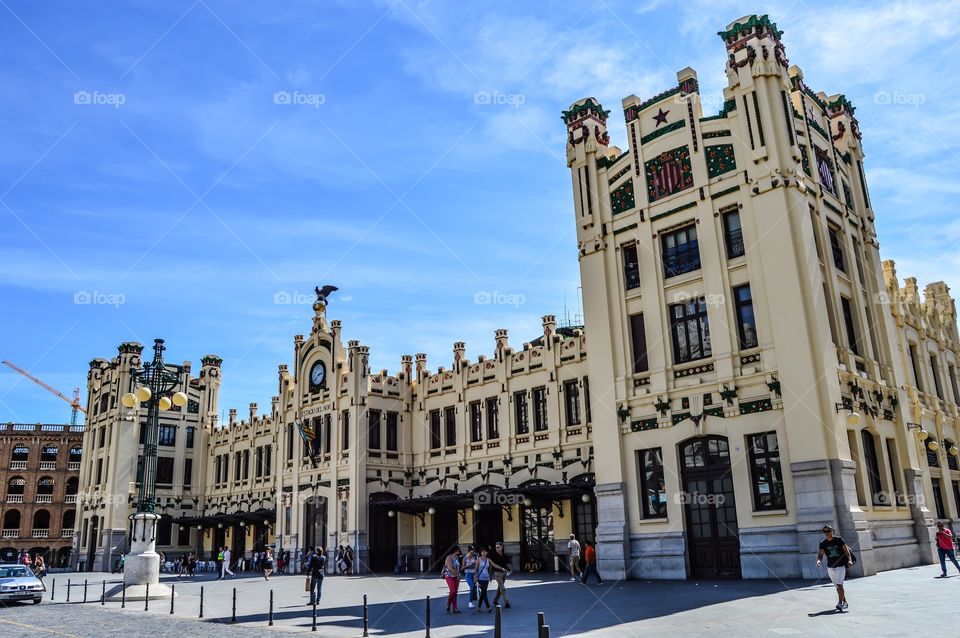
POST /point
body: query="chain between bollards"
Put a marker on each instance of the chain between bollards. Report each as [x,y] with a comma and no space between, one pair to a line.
[270,617]
[497,621]
[173,592]
[146,599]
[366,623]
[427,635]
[313,626]
[233,615]
[103,594]
[201,601]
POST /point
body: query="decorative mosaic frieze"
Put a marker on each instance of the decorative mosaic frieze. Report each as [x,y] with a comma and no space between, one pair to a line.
[668,173]
[644,424]
[760,405]
[578,111]
[649,137]
[622,197]
[686,372]
[720,159]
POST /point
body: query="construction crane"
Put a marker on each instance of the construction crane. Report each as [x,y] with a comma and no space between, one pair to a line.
[74,402]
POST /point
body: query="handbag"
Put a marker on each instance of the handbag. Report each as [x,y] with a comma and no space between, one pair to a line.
[306,585]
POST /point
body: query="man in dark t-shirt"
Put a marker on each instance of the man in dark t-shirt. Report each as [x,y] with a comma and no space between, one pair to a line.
[838,559]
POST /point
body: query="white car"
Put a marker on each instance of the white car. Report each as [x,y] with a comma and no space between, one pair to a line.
[17,582]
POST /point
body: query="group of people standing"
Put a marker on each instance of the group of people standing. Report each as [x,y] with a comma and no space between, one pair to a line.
[477,569]
[35,563]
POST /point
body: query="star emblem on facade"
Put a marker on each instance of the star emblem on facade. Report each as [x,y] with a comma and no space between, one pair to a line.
[661,117]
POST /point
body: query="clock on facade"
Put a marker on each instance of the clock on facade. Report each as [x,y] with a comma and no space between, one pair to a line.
[318,375]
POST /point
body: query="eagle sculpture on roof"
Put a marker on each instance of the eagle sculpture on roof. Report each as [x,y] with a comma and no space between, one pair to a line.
[323,292]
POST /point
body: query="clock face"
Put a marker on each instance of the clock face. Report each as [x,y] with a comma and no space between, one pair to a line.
[318,374]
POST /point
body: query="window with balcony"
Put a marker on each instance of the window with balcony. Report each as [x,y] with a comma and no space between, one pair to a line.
[73,459]
[15,489]
[45,489]
[746,322]
[733,235]
[493,423]
[631,266]
[521,413]
[48,454]
[72,488]
[41,524]
[19,457]
[11,523]
[540,409]
[690,331]
[680,252]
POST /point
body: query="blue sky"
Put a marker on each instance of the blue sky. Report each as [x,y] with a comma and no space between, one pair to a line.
[147,160]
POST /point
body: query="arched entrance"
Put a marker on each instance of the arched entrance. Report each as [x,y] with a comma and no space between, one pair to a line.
[381,533]
[710,512]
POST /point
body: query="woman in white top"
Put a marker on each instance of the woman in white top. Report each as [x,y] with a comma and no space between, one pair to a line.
[469,563]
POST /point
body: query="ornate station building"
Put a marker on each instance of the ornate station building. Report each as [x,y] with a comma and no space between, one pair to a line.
[755,372]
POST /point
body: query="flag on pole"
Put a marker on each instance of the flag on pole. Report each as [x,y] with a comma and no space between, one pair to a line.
[306,433]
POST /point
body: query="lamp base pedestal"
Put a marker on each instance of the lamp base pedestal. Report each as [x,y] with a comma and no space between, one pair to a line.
[141,567]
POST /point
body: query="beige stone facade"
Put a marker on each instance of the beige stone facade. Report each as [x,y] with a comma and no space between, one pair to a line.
[755,372]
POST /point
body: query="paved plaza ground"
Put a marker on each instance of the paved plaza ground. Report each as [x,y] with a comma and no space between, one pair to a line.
[895,603]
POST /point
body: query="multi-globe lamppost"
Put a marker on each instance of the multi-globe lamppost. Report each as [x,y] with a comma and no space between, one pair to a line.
[155,384]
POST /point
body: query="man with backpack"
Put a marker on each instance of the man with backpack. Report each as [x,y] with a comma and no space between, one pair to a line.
[839,557]
[316,567]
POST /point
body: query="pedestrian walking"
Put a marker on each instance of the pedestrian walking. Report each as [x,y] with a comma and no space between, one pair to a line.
[451,574]
[191,564]
[348,558]
[469,572]
[946,548]
[590,566]
[268,564]
[839,558]
[502,568]
[40,567]
[317,567]
[573,557]
[227,554]
[485,570]
[220,563]
[341,561]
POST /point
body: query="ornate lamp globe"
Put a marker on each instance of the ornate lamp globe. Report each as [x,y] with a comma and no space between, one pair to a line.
[391,513]
[143,393]
[922,434]
[128,400]
[432,511]
[933,446]
[165,403]
[954,450]
[585,498]
[476,507]
[853,419]
[179,399]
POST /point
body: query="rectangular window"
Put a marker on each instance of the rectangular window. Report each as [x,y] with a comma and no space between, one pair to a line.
[246,464]
[765,472]
[327,432]
[935,369]
[187,473]
[571,400]
[586,397]
[631,266]
[392,431]
[879,497]
[373,429]
[894,467]
[165,470]
[103,434]
[237,465]
[493,423]
[746,323]
[476,422]
[690,331]
[345,432]
[653,490]
[837,249]
[258,472]
[520,412]
[290,442]
[938,498]
[268,460]
[191,431]
[733,235]
[638,340]
[952,461]
[680,252]
[167,435]
[853,339]
[952,372]
[915,362]
[539,409]
[933,459]
[100,471]
[435,443]
[450,425]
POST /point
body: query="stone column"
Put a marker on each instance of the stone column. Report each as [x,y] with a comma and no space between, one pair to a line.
[142,564]
[612,550]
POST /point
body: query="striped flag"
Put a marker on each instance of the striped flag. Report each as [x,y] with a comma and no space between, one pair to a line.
[306,433]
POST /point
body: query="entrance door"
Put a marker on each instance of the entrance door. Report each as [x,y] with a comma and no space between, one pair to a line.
[315,522]
[93,540]
[382,539]
[713,542]
[487,527]
[444,536]
[536,540]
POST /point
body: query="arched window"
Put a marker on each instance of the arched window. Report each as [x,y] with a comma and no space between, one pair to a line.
[11,520]
[75,453]
[41,520]
[48,453]
[73,485]
[15,486]
[69,518]
[45,486]
[20,453]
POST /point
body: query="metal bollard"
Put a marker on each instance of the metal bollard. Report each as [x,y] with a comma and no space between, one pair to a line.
[173,592]
[146,599]
[545,631]
[68,590]
[53,588]
[366,623]
[497,621]
[201,601]
[233,614]
[427,635]
[313,627]
[84,590]
[103,594]
[270,617]
[123,596]
[540,622]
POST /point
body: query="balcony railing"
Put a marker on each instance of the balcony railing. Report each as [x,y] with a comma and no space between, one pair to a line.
[73,466]
[41,533]
[70,498]
[734,240]
[18,465]
[14,498]
[66,532]
[44,498]
[11,533]
[48,465]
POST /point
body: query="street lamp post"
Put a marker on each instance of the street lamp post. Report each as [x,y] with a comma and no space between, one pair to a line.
[154,381]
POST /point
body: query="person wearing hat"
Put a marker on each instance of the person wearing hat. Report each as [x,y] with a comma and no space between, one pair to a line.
[838,559]
[946,548]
